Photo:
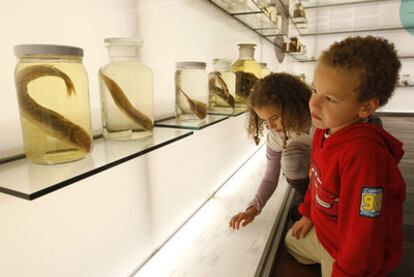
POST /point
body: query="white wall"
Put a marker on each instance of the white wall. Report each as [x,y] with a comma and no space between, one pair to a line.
[172,30]
[107,224]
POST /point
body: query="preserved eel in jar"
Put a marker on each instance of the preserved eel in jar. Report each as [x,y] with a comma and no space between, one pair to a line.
[50,121]
[122,102]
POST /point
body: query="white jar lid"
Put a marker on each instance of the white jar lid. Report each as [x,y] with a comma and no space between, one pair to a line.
[247,45]
[190,65]
[222,65]
[47,49]
[123,41]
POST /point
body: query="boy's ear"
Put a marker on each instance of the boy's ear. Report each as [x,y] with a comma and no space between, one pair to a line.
[368,107]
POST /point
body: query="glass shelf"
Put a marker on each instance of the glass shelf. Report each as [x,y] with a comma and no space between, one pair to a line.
[253,17]
[308,32]
[237,8]
[190,124]
[229,112]
[308,60]
[312,4]
[324,30]
[408,86]
[26,180]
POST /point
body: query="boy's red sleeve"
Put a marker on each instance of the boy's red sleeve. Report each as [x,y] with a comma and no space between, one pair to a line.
[362,217]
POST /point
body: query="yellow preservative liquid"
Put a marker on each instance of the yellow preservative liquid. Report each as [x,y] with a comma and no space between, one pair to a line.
[52,89]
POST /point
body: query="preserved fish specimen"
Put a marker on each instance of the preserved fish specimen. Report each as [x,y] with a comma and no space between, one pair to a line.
[247,71]
[191,91]
[123,103]
[126,91]
[51,122]
[222,84]
[52,92]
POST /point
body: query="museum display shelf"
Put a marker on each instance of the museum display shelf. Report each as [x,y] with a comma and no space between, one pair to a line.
[173,122]
[27,180]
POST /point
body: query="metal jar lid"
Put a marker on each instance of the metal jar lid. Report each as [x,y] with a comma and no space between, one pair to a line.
[123,41]
[47,49]
[190,65]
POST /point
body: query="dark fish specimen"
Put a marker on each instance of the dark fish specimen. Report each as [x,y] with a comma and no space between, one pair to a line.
[245,82]
[222,92]
[50,121]
[124,105]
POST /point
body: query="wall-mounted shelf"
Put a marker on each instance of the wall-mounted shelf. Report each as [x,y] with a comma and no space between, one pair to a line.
[344,29]
[256,19]
[408,86]
[407,56]
[172,122]
[26,180]
[228,112]
[313,4]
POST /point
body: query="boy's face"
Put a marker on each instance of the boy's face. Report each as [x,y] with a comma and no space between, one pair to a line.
[271,116]
[333,104]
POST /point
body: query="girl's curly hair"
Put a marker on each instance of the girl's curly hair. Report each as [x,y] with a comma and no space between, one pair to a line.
[289,95]
[373,59]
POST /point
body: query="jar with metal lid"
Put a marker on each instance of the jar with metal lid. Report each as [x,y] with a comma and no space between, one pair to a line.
[126,87]
[53,97]
[247,71]
[222,86]
[191,91]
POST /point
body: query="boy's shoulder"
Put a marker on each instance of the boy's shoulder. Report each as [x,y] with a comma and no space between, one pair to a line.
[364,138]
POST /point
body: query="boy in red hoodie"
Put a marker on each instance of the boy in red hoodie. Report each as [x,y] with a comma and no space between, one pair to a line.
[352,213]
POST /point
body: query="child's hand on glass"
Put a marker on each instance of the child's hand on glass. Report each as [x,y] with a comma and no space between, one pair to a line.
[244,218]
[301,227]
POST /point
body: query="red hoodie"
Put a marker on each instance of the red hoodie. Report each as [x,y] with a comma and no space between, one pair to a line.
[355,199]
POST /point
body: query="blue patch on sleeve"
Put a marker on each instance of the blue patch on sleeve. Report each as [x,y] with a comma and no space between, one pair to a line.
[371,202]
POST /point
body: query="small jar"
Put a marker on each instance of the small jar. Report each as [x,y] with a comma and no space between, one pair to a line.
[126,87]
[53,97]
[247,72]
[264,70]
[191,91]
[222,86]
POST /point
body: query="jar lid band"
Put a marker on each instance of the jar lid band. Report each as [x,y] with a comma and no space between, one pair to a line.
[200,65]
[123,41]
[47,49]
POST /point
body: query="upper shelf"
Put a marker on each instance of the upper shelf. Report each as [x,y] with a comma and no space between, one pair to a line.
[343,17]
[173,122]
[401,57]
[256,18]
[26,180]
[312,4]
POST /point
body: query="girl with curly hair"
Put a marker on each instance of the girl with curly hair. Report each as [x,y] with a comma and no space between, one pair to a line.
[279,102]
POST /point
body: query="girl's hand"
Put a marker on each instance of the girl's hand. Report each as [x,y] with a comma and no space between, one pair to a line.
[244,218]
[301,227]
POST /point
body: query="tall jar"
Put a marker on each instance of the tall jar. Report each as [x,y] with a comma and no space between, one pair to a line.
[53,97]
[126,87]
[191,91]
[222,86]
[247,71]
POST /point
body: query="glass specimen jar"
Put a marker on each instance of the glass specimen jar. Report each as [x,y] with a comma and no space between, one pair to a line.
[53,98]
[126,87]
[222,86]
[264,70]
[247,71]
[191,91]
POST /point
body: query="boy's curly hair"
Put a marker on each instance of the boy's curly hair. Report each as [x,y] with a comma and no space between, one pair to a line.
[373,59]
[289,95]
